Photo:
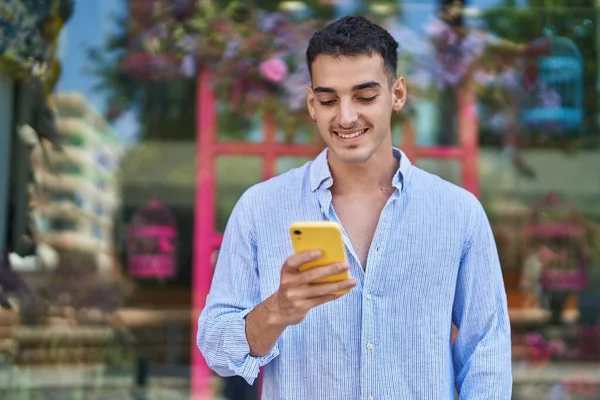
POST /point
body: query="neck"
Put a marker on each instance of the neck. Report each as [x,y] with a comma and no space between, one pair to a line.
[373,176]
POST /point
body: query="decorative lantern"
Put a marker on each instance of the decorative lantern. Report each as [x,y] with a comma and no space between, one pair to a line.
[152,242]
[553,103]
[555,234]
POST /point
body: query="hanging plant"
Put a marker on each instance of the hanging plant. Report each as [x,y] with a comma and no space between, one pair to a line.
[450,56]
[28,38]
[257,56]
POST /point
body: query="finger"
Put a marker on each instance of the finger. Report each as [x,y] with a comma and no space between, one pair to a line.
[295,261]
[317,301]
[317,273]
[323,289]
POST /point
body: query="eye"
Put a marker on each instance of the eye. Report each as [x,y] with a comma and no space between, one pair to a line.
[327,103]
[367,99]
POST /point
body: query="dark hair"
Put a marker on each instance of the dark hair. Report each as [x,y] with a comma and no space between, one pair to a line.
[354,36]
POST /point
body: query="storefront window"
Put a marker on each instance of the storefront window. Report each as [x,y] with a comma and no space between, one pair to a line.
[130,129]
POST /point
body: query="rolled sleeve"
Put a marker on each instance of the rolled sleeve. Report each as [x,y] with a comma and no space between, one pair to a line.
[237,350]
[234,292]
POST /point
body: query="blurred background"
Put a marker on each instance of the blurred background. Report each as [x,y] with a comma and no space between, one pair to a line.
[129,129]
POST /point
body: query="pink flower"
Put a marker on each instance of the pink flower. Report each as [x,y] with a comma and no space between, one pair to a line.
[274,70]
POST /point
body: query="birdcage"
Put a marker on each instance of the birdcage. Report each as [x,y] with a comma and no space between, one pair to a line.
[554,235]
[557,226]
[151,242]
[553,104]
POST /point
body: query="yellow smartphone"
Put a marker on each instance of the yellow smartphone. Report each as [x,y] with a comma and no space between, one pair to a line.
[325,236]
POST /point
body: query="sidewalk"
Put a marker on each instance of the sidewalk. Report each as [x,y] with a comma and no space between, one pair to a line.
[88,383]
[550,381]
[94,383]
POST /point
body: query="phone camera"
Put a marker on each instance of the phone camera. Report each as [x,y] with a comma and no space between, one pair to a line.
[297,233]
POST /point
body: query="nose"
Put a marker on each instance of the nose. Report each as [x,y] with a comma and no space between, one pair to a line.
[347,114]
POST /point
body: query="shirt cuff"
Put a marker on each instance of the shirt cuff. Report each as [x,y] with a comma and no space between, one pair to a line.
[237,350]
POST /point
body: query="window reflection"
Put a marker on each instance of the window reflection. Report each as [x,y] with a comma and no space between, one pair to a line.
[120,80]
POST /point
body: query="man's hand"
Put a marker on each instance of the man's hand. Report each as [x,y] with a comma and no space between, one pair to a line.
[298,293]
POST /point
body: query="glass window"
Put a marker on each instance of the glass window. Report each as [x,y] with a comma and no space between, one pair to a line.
[167,111]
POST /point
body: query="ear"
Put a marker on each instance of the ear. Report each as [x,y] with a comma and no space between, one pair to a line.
[310,102]
[398,94]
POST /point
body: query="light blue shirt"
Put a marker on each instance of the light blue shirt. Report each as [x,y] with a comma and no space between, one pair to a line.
[432,262]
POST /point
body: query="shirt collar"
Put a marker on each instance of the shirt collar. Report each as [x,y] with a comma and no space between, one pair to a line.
[320,174]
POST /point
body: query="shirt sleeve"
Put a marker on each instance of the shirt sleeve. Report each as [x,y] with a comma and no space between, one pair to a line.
[482,350]
[234,292]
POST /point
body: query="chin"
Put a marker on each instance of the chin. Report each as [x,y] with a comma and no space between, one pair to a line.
[352,155]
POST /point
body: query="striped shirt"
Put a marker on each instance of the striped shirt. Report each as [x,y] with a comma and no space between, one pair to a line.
[432,262]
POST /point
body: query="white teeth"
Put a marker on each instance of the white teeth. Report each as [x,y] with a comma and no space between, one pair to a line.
[351,135]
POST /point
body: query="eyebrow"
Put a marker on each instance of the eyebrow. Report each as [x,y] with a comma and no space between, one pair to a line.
[355,88]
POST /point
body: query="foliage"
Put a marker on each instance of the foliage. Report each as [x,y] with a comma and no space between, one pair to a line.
[28,33]
[255,49]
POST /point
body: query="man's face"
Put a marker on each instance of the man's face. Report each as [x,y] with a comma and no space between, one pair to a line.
[352,102]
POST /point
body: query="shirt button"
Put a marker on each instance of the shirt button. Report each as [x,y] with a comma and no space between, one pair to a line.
[369,297]
[370,346]
[370,398]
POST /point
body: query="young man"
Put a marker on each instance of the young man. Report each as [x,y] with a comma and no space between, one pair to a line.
[420,252]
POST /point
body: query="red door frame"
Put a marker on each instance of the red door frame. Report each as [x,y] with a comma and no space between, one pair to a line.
[208,148]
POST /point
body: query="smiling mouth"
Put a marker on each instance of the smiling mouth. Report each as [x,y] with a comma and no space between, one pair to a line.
[351,135]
